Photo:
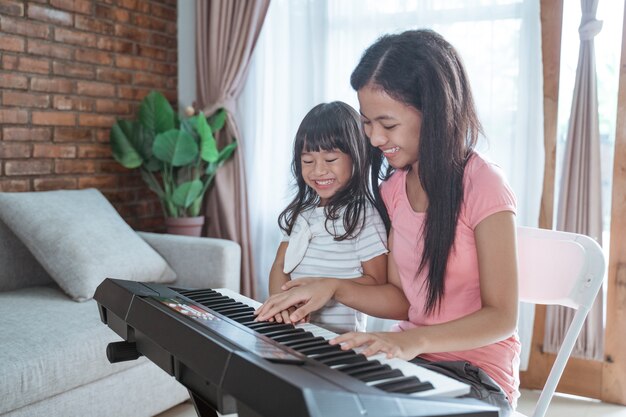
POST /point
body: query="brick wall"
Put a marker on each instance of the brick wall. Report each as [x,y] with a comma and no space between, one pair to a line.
[68,69]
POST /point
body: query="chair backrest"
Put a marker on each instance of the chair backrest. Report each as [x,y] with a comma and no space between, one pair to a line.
[559,268]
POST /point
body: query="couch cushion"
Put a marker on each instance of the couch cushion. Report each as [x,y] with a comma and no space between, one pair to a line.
[80,239]
[18,267]
[50,344]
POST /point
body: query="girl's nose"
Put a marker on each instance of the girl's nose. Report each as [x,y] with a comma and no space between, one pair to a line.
[320,169]
[377,138]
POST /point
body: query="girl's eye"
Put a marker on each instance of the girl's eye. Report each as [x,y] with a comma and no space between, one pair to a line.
[307,162]
[389,127]
[331,160]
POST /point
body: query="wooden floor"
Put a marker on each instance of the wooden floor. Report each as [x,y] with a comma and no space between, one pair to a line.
[561,406]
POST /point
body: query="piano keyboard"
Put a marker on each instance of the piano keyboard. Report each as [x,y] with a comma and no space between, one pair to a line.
[311,341]
[208,340]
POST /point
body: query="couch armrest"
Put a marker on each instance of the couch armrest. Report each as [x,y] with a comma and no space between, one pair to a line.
[199,262]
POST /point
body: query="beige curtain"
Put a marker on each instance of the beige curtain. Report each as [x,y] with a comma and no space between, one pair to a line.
[227,31]
[579,207]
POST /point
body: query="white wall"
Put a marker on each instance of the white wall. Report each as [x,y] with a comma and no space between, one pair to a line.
[186,53]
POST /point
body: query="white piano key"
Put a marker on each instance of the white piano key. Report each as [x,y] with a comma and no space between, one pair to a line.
[443,385]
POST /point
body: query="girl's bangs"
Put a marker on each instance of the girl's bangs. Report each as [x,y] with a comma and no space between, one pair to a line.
[318,141]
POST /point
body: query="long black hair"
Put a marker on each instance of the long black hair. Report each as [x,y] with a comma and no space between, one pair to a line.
[421,69]
[327,127]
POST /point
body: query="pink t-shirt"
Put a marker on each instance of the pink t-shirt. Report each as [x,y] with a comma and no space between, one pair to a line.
[486,192]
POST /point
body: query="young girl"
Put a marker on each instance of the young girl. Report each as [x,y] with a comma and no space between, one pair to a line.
[452,239]
[331,228]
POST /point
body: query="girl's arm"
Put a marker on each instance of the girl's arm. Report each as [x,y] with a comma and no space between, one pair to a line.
[277,277]
[385,300]
[374,271]
[495,321]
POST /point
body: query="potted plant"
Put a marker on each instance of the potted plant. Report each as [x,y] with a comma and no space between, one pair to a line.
[177,156]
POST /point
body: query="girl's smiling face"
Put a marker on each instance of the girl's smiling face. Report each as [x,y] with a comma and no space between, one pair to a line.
[390,125]
[326,172]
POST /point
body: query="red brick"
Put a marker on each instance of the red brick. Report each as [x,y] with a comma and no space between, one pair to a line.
[112,13]
[116,45]
[132,62]
[89,88]
[94,57]
[13,81]
[26,134]
[127,4]
[93,25]
[145,79]
[131,93]
[100,182]
[48,15]
[13,116]
[12,7]
[114,75]
[95,120]
[28,167]
[172,29]
[162,11]
[10,62]
[163,41]
[132,34]
[70,69]
[112,106]
[94,151]
[11,43]
[52,85]
[103,135]
[75,166]
[111,166]
[37,47]
[54,151]
[14,150]
[54,118]
[121,196]
[63,134]
[40,66]
[13,98]
[24,27]
[79,6]
[73,103]
[54,183]
[150,52]
[14,186]
[75,37]
[149,22]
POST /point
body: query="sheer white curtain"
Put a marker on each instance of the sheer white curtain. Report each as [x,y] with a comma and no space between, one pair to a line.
[305,55]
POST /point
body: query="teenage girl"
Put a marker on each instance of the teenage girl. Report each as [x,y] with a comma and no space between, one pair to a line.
[452,240]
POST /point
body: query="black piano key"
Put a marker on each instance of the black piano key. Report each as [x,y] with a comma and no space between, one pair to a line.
[278,328]
[244,319]
[292,337]
[377,374]
[306,342]
[416,387]
[242,314]
[360,366]
[314,350]
[228,306]
[339,357]
[219,304]
[211,299]
[402,384]
[197,293]
[228,312]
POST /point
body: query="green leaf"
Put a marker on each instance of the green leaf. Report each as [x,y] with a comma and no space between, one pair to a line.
[217,120]
[186,193]
[122,146]
[226,152]
[156,114]
[208,147]
[175,147]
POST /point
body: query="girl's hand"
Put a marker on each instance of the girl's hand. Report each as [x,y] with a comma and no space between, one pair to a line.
[308,297]
[394,344]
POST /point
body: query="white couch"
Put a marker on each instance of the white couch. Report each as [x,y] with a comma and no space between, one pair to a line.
[52,348]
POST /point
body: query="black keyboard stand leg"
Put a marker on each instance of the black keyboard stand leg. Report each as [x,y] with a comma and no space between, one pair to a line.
[203,409]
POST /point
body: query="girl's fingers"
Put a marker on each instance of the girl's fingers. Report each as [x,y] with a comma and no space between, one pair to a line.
[277,318]
[284,315]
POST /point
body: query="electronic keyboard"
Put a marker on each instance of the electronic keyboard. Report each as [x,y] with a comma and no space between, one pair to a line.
[210,342]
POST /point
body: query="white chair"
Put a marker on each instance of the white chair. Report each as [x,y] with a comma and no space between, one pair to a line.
[559,268]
